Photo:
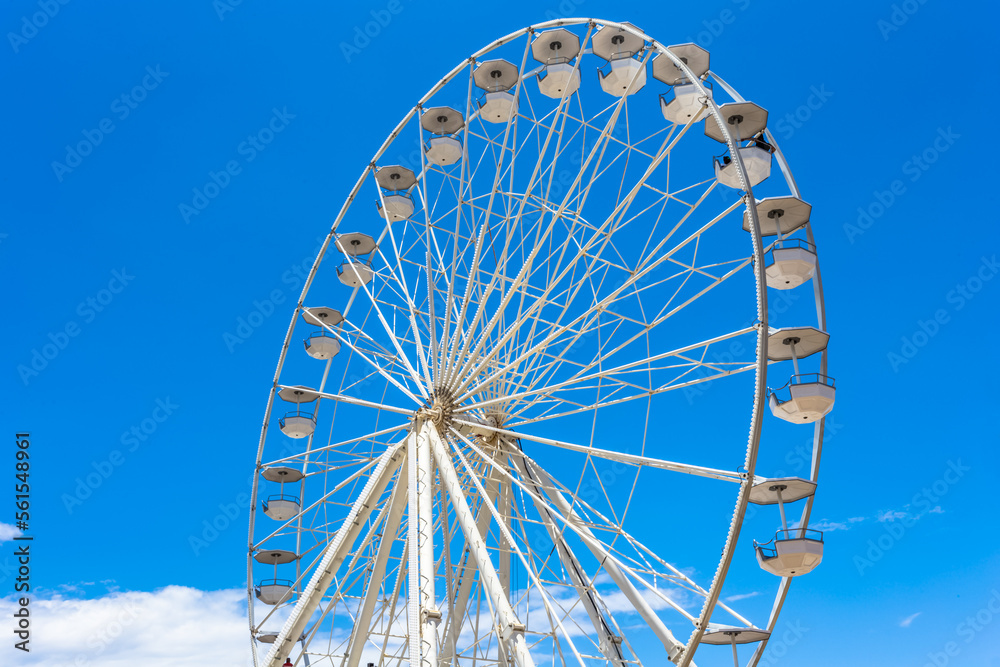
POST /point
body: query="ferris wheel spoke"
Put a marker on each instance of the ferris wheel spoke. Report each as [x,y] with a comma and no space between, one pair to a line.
[486,220]
[582,374]
[511,628]
[609,644]
[399,274]
[385,373]
[443,455]
[337,446]
[644,394]
[599,147]
[617,456]
[512,220]
[456,618]
[561,510]
[636,276]
[358,401]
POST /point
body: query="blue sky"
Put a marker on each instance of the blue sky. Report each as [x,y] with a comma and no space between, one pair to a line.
[104,259]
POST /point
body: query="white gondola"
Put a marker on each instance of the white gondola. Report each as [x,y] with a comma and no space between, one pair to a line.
[790,263]
[756,160]
[298,423]
[743,121]
[779,215]
[496,77]
[395,207]
[443,148]
[274,591]
[281,507]
[624,74]
[793,551]
[733,636]
[692,55]
[807,397]
[323,343]
[394,203]
[356,271]
[556,49]
[687,103]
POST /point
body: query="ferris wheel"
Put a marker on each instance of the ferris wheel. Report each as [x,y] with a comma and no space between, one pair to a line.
[525,424]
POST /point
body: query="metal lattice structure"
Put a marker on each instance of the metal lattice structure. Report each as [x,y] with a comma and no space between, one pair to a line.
[528,413]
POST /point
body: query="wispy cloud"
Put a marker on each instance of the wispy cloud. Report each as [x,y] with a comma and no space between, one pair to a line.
[891,515]
[828,526]
[8,532]
[905,623]
[742,596]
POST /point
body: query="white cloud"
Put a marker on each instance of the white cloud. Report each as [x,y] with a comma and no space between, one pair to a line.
[829,526]
[891,515]
[8,532]
[172,627]
[742,596]
[905,623]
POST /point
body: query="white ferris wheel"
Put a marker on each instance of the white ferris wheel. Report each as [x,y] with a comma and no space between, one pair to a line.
[526,423]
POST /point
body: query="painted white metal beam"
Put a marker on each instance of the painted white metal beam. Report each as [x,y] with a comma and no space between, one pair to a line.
[334,555]
[510,630]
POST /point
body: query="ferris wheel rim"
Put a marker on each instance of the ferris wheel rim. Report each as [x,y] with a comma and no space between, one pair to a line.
[758,250]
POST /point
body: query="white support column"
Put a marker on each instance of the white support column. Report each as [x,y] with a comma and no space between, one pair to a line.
[504,553]
[333,557]
[430,615]
[510,630]
[456,617]
[413,557]
[361,626]
[781,508]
